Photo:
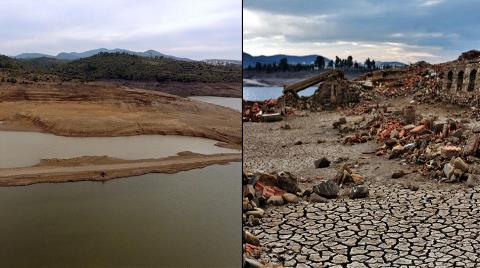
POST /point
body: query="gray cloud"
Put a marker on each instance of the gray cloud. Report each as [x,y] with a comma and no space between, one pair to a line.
[410,30]
[184,28]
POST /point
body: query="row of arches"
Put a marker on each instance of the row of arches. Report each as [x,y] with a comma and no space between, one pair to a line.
[472,77]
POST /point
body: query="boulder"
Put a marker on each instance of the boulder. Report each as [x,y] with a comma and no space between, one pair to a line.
[322,163]
[288,182]
[328,189]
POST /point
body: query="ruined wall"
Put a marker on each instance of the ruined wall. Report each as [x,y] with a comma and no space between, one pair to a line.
[461,83]
[330,94]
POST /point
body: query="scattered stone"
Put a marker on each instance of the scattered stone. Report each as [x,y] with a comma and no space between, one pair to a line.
[458,163]
[339,122]
[448,170]
[257,213]
[315,198]
[275,200]
[472,144]
[251,263]
[360,191]
[328,189]
[250,238]
[286,126]
[450,151]
[418,130]
[288,182]
[398,174]
[357,178]
[472,180]
[290,198]
[322,163]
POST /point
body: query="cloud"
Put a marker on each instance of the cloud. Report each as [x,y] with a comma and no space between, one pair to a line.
[430,2]
[73,25]
[407,30]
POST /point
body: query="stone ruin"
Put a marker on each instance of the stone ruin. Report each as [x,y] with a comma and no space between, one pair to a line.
[461,82]
[333,90]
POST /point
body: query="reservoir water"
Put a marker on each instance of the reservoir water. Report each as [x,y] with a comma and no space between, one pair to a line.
[234,103]
[187,219]
[19,149]
[264,93]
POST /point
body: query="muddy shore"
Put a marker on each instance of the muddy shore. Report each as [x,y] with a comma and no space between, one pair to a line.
[89,168]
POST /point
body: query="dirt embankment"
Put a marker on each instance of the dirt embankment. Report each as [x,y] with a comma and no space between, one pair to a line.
[89,168]
[71,109]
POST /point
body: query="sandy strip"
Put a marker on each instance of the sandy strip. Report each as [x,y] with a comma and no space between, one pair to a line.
[105,168]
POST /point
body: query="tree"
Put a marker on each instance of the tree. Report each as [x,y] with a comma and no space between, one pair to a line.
[338,62]
[320,62]
[373,64]
[368,64]
[350,61]
[283,64]
[258,66]
[330,64]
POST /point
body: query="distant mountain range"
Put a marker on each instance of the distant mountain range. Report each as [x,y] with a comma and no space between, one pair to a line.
[89,53]
[148,53]
[249,60]
[252,60]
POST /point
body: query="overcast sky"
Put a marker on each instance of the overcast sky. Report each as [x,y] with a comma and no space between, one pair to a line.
[184,28]
[406,30]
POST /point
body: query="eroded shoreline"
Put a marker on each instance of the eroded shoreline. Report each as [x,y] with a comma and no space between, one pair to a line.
[104,168]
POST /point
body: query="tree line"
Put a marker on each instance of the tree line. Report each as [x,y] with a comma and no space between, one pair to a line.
[320,63]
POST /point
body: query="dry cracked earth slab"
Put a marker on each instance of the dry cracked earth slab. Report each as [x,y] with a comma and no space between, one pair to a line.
[401,228]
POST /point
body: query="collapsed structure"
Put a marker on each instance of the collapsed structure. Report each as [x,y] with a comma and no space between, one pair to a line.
[333,90]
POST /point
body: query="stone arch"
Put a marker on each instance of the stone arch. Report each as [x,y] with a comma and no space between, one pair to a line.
[449,80]
[460,81]
[471,80]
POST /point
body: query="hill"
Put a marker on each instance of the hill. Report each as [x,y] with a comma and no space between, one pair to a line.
[252,60]
[111,66]
[89,53]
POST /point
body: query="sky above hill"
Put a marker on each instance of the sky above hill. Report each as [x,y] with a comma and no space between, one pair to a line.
[407,30]
[183,28]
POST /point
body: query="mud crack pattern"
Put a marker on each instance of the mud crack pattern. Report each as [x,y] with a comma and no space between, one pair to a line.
[396,228]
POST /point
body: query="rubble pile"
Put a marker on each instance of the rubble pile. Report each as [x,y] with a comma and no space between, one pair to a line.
[253,111]
[437,146]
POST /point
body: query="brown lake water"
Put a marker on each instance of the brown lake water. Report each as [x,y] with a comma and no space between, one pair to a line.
[19,149]
[187,219]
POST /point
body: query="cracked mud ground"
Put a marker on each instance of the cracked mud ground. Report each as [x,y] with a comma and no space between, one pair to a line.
[436,226]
